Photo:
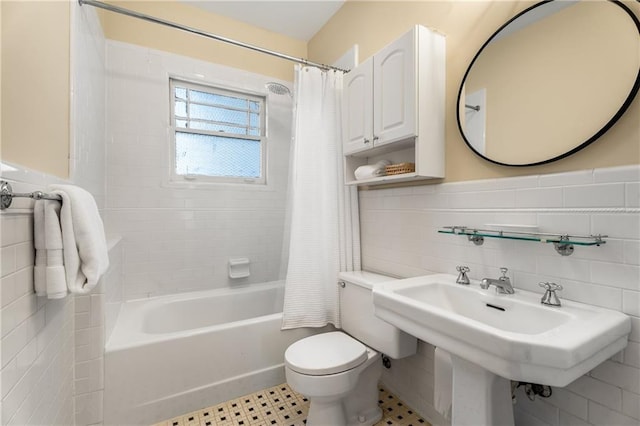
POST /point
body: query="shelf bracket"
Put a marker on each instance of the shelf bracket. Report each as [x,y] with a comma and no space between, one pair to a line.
[476,239]
[564,249]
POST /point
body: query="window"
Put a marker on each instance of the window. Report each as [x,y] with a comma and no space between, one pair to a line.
[218,134]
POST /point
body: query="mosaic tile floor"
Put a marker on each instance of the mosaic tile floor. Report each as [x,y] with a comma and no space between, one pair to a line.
[281,406]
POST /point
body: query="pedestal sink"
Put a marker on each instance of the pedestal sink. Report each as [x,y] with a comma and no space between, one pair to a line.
[494,338]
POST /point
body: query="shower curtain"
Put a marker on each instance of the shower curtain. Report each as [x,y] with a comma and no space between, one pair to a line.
[324,230]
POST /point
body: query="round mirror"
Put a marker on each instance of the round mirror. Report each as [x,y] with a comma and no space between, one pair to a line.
[550,81]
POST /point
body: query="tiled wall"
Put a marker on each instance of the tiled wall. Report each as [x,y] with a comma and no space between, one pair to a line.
[178,238]
[36,348]
[399,236]
[91,330]
[88,102]
[87,165]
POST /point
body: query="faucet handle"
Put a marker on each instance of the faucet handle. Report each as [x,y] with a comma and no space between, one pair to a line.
[549,286]
[504,271]
[462,277]
[550,298]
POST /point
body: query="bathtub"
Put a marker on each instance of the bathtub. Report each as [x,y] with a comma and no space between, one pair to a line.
[171,355]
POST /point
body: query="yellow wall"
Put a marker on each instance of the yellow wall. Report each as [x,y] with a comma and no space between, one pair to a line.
[130,30]
[35,85]
[585,77]
[35,68]
[467,25]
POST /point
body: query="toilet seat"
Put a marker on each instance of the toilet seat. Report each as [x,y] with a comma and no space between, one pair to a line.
[324,354]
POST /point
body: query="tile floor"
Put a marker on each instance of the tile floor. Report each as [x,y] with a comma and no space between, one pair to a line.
[281,406]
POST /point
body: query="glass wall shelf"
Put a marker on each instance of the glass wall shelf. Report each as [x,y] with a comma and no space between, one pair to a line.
[563,243]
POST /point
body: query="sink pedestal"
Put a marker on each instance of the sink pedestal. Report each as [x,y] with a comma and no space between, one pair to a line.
[480,398]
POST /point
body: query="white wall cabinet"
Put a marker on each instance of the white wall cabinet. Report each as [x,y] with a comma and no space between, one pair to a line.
[394,108]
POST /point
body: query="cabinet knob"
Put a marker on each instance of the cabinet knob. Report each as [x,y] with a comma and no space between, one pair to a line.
[366,140]
[375,138]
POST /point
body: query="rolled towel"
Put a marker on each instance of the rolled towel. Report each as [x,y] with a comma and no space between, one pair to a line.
[371,170]
[85,246]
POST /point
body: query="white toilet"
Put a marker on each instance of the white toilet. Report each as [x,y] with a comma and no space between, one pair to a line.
[338,373]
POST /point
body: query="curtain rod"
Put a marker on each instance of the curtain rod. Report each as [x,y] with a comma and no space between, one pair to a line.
[153,19]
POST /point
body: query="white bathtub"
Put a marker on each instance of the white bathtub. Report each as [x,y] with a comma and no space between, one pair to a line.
[174,354]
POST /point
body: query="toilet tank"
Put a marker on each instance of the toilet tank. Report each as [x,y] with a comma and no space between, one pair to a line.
[358,318]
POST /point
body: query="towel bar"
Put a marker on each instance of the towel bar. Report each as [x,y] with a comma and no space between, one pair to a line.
[7,195]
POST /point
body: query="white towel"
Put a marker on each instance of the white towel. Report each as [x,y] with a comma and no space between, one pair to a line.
[371,170]
[85,246]
[54,273]
[442,382]
[40,268]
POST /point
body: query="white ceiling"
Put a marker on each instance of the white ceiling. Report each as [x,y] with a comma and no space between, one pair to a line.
[300,19]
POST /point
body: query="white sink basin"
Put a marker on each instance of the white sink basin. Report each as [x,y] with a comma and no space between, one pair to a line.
[513,336]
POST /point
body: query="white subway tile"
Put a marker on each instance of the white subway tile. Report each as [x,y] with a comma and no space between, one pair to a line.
[89,408]
[604,195]
[24,255]
[15,229]
[624,226]
[632,194]
[616,275]
[92,378]
[538,408]
[631,302]
[596,390]
[24,282]
[612,251]
[539,197]
[599,415]
[631,404]
[617,174]
[632,354]
[567,419]
[523,417]
[97,309]
[569,402]
[619,375]
[516,182]
[17,312]
[565,223]
[581,177]
[13,343]
[82,303]
[634,336]
[564,267]
[631,252]
[483,199]
[9,376]
[619,357]
[82,320]
[8,290]
[7,260]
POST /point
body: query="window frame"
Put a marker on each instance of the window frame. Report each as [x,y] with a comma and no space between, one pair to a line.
[213,88]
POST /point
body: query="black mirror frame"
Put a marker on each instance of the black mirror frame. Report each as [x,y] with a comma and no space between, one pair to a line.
[602,131]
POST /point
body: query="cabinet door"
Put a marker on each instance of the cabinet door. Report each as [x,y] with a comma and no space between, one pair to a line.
[357,108]
[395,91]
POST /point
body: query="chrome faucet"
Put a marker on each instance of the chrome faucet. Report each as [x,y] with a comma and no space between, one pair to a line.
[462,276]
[503,284]
[550,297]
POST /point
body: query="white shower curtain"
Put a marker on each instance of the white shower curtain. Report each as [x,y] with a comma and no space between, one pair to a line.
[324,232]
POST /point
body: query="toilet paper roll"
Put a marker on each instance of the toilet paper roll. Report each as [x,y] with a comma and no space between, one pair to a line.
[443,383]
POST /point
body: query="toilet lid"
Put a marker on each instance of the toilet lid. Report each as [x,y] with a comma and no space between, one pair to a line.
[327,353]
